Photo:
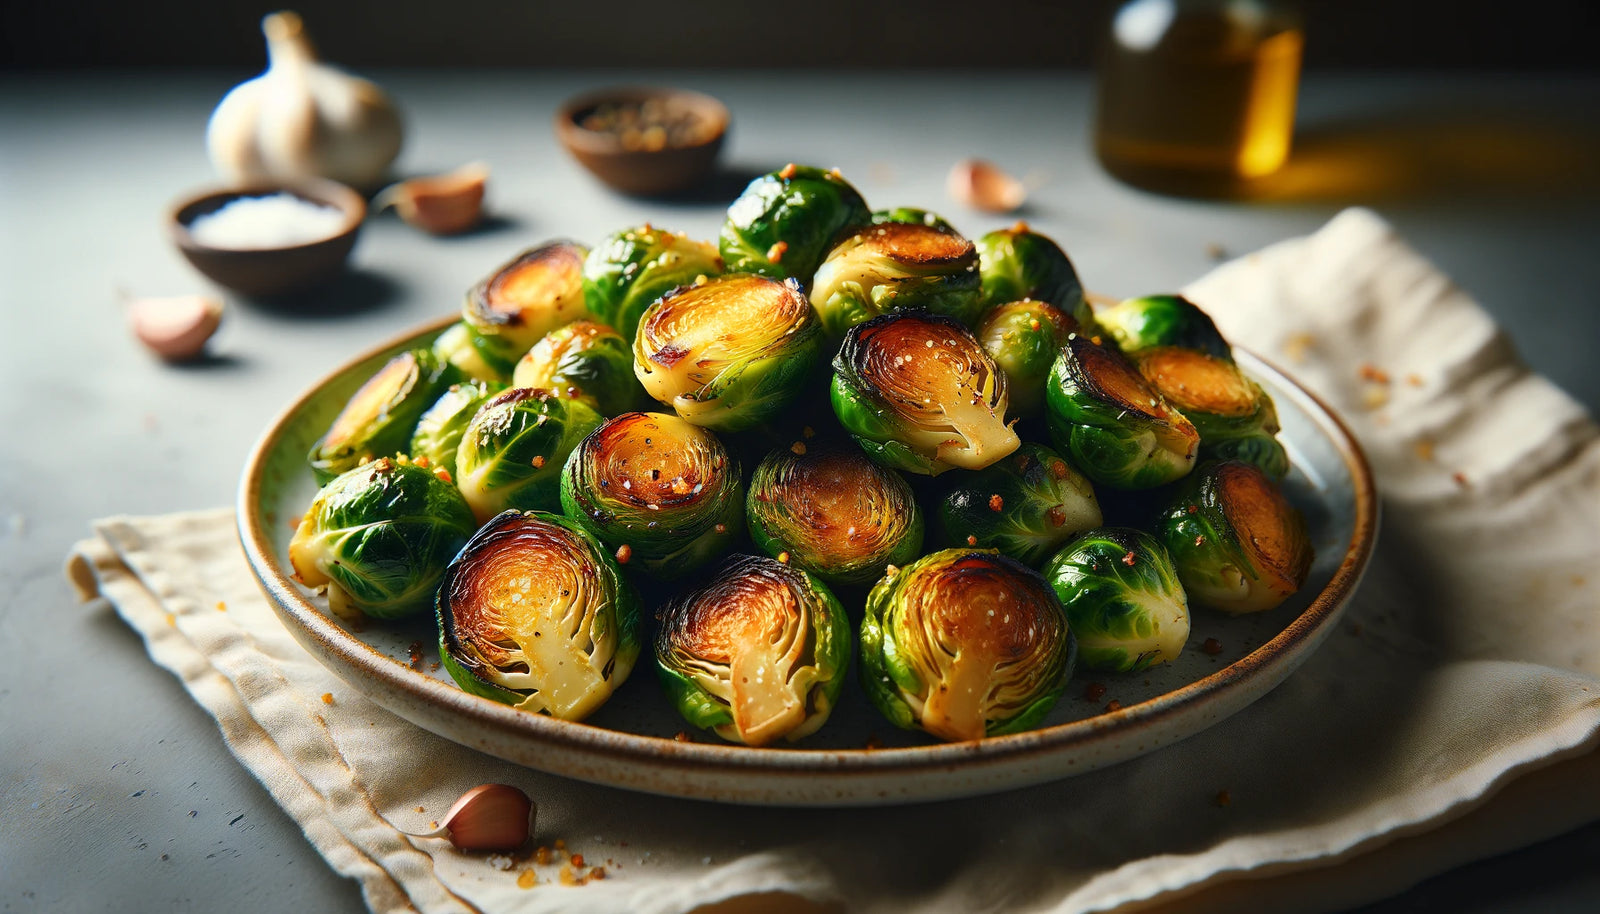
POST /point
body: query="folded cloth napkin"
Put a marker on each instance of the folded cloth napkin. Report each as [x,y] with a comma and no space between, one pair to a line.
[1469,658]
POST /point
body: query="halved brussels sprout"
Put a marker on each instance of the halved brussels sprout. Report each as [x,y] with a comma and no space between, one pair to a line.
[1018,263]
[511,308]
[1023,338]
[965,644]
[1122,596]
[1231,412]
[629,270]
[438,433]
[835,513]
[1111,423]
[918,393]
[379,536]
[535,614]
[585,361]
[910,215]
[784,222]
[1026,506]
[662,492]
[378,418]
[728,353]
[512,451]
[1138,324]
[1238,545]
[894,267]
[757,654]
[455,346]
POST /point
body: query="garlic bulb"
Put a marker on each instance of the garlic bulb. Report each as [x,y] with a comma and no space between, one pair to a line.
[303,119]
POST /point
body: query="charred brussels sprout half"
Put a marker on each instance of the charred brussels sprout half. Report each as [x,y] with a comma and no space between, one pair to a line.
[1026,506]
[535,614]
[1111,423]
[512,451]
[513,307]
[918,393]
[965,644]
[757,654]
[1238,545]
[629,270]
[728,353]
[1234,416]
[1023,338]
[379,536]
[438,432]
[584,361]
[662,492]
[1017,263]
[1138,324]
[834,512]
[1122,596]
[910,215]
[784,222]
[895,267]
[378,418]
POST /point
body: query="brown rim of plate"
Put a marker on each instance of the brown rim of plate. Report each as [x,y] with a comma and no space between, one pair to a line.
[709,757]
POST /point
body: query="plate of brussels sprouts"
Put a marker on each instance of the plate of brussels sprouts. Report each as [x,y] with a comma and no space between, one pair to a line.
[841,509]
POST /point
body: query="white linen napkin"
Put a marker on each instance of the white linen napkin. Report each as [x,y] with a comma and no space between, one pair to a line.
[1470,657]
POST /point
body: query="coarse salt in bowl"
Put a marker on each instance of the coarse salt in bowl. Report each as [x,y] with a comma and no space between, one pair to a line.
[268,239]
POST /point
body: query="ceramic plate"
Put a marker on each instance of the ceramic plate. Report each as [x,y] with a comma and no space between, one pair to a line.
[630,742]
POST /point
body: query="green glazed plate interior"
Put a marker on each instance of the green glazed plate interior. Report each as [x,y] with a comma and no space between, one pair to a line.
[629,743]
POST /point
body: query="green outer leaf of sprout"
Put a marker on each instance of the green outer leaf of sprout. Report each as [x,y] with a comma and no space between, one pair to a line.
[802,207]
[512,452]
[1018,263]
[438,433]
[629,270]
[1127,616]
[1027,506]
[414,381]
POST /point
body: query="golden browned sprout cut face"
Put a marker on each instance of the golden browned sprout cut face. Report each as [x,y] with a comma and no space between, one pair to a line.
[1269,529]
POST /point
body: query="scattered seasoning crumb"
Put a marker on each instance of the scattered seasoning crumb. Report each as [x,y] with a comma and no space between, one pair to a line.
[1461,479]
[1200,540]
[527,879]
[1415,380]
[1298,346]
[783,557]
[1216,251]
[624,552]
[598,872]
[787,171]
[996,503]
[776,252]
[416,655]
[559,844]
[1423,449]
[1194,509]
[1129,559]
[294,522]
[327,699]
[577,860]
[1371,372]
[443,474]
[538,461]
[1578,580]
[1223,798]
[1113,705]
[541,855]
[873,742]
[420,809]
[808,432]
[172,620]
[683,736]
[1375,397]
[568,876]
[972,540]
[1094,691]
[1057,515]
[1211,646]
[798,448]
[222,606]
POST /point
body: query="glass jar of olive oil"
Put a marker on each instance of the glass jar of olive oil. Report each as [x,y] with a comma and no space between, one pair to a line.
[1198,96]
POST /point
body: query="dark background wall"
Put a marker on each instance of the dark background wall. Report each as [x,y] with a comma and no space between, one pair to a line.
[1365,34]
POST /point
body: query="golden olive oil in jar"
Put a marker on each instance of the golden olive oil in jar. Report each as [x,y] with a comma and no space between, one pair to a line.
[1198,96]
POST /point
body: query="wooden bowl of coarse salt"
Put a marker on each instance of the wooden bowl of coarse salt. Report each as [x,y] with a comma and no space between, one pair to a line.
[269,238]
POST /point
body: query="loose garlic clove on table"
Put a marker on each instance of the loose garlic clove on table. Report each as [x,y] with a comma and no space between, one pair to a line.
[983,186]
[439,204]
[175,328]
[489,817]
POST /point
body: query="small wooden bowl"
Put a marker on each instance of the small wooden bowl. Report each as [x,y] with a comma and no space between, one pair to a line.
[643,173]
[267,272]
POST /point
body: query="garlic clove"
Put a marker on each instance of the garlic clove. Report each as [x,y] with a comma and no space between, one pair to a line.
[439,204]
[983,186]
[489,817]
[175,328]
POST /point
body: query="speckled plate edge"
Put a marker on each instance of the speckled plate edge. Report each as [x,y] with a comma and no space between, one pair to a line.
[802,777]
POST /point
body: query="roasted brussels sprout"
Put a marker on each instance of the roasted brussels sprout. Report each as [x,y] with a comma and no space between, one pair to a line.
[918,393]
[895,267]
[1238,545]
[513,307]
[512,451]
[378,418]
[1023,338]
[1123,599]
[834,512]
[583,360]
[757,654]
[438,432]
[1138,324]
[965,644]
[910,215]
[1234,416]
[660,491]
[1018,263]
[784,222]
[629,270]
[1113,425]
[728,353]
[379,536]
[534,613]
[1026,506]
[455,346]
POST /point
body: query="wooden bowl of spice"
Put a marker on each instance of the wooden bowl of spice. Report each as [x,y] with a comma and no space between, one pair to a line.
[268,239]
[644,141]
